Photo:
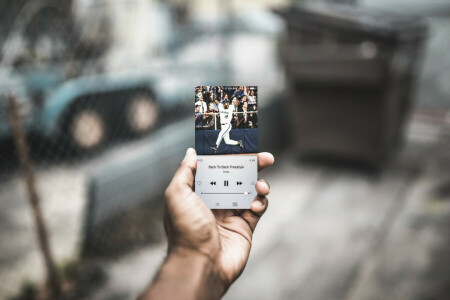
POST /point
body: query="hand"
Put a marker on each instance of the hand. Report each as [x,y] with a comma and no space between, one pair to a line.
[224,237]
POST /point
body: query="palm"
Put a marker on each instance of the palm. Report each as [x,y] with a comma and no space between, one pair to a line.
[235,236]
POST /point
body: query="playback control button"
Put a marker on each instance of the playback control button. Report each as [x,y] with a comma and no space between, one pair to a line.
[225,183]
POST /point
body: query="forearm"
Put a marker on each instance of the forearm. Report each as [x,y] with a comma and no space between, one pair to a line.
[186,274]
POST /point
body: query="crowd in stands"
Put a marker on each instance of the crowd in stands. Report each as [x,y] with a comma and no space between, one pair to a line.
[207,99]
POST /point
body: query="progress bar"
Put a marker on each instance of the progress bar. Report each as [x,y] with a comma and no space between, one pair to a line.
[246,193]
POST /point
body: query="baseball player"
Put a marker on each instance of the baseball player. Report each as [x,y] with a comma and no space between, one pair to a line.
[226,115]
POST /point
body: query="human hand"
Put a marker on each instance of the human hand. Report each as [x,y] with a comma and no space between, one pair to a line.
[224,237]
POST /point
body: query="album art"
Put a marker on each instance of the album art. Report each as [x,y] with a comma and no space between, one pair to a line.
[226,120]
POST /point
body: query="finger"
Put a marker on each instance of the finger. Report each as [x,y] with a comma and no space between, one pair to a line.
[262,187]
[265,159]
[259,205]
[257,209]
[185,174]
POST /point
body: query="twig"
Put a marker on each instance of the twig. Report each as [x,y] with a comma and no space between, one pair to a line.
[53,279]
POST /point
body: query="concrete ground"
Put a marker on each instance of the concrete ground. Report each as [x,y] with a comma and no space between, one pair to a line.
[62,188]
[338,234]
[63,195]
[329,233]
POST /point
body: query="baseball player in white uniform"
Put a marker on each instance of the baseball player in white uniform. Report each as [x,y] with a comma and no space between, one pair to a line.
[226,115]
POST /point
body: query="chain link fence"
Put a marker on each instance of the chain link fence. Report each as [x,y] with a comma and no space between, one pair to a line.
[82,99]
[96,82]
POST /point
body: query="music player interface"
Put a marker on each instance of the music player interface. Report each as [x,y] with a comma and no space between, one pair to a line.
[226,181]
[226,132]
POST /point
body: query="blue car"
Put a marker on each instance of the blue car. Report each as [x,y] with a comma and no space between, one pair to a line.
[86,111]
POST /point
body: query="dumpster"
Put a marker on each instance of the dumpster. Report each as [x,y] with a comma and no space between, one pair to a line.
[351,76]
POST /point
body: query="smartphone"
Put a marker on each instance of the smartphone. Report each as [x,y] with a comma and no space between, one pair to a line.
[226,141]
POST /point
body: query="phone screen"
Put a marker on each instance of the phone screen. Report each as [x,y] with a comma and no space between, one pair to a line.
[226,141]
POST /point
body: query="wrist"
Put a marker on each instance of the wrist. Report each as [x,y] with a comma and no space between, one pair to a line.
[187,274]
[201,269]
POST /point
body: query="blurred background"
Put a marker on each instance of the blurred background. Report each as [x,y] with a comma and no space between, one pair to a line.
[354,101]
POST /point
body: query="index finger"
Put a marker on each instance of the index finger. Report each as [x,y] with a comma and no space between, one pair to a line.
[265,159]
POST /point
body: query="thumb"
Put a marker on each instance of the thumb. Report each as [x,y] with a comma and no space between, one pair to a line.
[185,175]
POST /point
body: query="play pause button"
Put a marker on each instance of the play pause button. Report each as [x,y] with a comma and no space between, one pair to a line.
[239,183]
[225,183]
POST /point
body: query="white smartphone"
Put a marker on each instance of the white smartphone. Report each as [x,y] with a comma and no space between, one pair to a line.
[226,141]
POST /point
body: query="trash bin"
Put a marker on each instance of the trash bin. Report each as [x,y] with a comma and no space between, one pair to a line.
[351,74]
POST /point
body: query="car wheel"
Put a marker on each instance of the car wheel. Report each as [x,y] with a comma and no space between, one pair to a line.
[141,114]
[87,129]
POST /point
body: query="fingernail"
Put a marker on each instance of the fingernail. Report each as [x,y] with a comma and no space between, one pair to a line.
[186,154]
[258,203]
[189,152]
[262,181]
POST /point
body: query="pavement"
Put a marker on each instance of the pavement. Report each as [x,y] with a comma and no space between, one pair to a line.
[63,195]
[333,233]
[62,189]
